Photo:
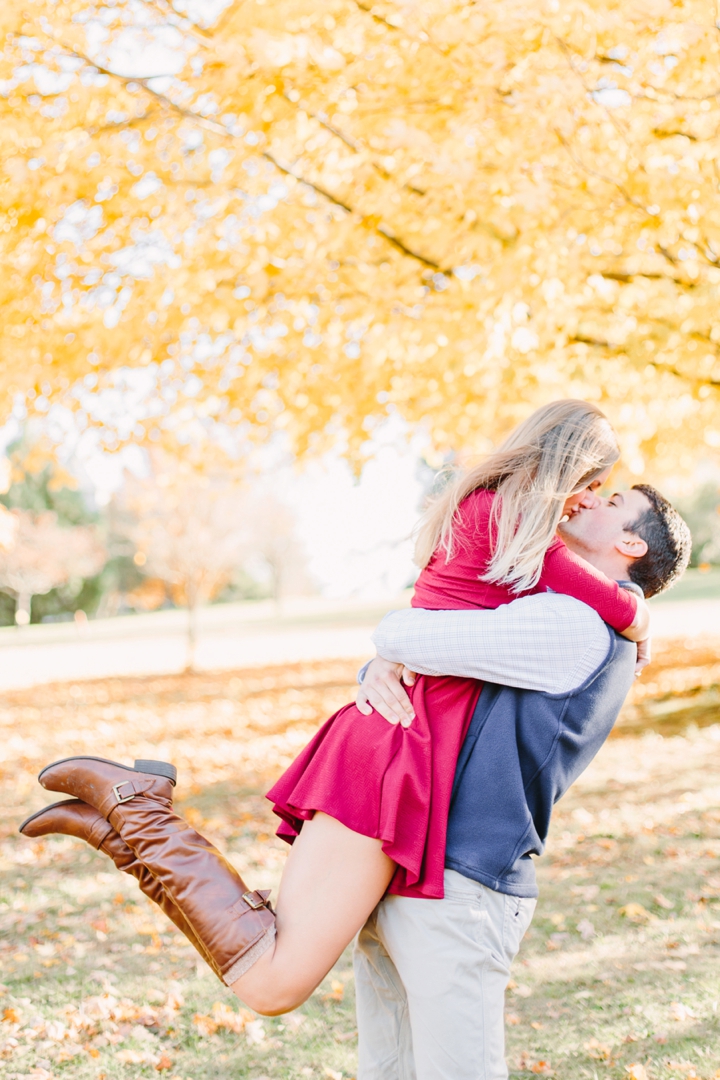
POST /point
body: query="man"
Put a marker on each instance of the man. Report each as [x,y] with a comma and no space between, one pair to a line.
[431,974]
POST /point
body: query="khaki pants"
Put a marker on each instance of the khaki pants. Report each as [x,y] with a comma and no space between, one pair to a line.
[430,979]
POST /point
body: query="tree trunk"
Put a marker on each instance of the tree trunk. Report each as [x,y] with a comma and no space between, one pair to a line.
[192,628]
[22,609]
[276,580]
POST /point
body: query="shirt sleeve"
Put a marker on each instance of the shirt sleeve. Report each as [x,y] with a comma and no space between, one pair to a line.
[566,573]
[544,642]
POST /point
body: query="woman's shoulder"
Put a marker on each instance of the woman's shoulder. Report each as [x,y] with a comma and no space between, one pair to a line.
[480,497]
[472,520]
[476,506]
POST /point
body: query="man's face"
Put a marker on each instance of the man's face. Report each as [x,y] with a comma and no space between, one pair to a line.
[601,528]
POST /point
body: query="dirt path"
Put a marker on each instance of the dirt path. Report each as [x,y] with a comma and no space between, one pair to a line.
[240,636]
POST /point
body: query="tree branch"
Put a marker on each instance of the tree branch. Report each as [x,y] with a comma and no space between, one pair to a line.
[600,176]
[349,142]
[218,129]
[424,36]
[581,339]
[288,171]
[715,383]
[618,275]
[578,75]
[396,242]
[602,344]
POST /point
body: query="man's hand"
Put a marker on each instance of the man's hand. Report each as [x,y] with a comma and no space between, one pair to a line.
[382,689]
[643,656]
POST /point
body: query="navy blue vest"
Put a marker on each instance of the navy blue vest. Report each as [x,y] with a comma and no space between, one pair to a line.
[522,752]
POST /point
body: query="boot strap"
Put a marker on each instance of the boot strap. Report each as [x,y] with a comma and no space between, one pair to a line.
[127,790]
[123,798]
[99,832]
[256,899]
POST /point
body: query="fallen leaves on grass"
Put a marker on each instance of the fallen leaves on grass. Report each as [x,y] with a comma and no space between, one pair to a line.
[529,1062]
[255,1032]
[230,735]
[586,929]
[95,1011]
[598,1051]
[637,1072]
[135,1057]
[345,1036]
[8,1047]
[337,991]
[223,1018]
[635,913]
[681,1012]
[663,902]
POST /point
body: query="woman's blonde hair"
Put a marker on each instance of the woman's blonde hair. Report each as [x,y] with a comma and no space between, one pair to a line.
[553,454]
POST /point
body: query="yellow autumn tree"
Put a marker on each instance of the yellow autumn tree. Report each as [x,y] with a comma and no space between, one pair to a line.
[283,215]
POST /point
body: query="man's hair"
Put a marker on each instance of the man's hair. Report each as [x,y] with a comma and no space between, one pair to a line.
[669,544]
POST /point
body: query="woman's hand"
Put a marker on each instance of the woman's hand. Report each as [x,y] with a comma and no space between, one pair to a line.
[640,628]
[382,689]
[643,656]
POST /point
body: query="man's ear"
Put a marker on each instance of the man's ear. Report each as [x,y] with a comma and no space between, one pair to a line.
[631,546]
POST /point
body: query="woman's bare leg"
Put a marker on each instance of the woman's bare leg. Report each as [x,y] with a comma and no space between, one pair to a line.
[332,880]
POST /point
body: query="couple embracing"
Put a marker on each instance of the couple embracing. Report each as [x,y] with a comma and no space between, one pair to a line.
[414,814]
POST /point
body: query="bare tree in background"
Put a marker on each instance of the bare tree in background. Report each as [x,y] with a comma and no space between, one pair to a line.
[8,524]
[39,555]
[274,542]
[190,530]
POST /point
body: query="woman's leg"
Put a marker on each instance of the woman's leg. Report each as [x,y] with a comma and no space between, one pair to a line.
[231,922]
[332,881]
[74,818]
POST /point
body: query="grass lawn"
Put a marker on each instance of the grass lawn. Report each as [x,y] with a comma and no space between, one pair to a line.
[694,585]
[618,977]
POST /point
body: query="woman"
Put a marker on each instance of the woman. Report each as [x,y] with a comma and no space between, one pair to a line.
[366,803]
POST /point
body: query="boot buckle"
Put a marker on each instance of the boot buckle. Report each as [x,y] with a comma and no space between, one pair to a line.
[122,798]
[253,900]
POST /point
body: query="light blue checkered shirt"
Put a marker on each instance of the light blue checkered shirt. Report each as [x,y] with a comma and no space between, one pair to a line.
[546,642]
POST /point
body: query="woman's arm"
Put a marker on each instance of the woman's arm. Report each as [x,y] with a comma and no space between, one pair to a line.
[565,572]
[639,628]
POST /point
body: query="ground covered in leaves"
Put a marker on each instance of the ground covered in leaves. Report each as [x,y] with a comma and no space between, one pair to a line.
[619,976]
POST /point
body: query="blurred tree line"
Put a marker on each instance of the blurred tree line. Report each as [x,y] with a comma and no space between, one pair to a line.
[50,515]
[183,536]
[187,534]
[701,510]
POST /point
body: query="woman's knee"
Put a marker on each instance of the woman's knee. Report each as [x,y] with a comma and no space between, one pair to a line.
[273,999]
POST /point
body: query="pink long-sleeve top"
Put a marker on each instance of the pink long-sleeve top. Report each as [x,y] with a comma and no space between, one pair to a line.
[455,584]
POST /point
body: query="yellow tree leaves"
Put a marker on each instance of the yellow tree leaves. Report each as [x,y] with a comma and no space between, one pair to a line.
[301,218]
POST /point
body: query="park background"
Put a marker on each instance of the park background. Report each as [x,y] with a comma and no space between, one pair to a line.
[271,270]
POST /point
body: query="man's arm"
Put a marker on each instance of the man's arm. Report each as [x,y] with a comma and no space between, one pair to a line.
[546,642]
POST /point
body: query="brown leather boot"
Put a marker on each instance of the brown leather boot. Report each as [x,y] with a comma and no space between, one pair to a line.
[74,818]
[235,925]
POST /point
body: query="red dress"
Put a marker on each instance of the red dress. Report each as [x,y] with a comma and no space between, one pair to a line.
[395,783]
